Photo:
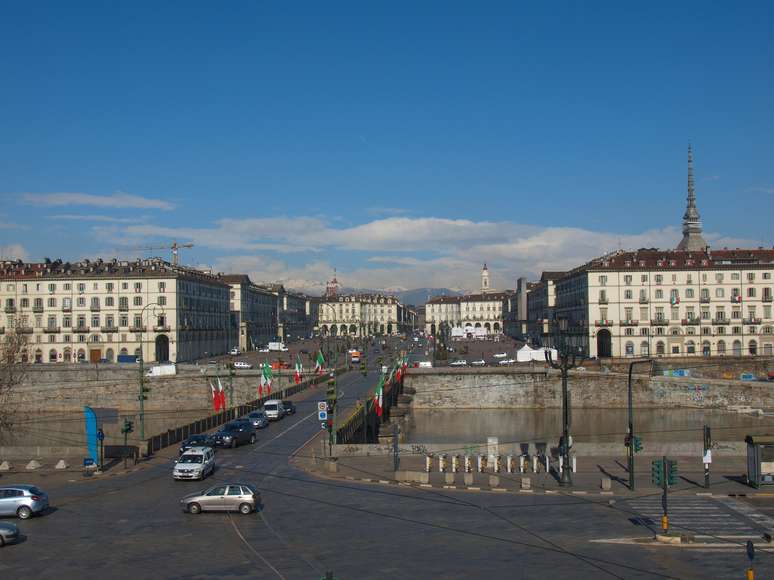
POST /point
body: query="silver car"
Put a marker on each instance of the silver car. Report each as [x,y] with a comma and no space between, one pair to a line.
[258,419]
[9,533]
[22,500]
[225,497]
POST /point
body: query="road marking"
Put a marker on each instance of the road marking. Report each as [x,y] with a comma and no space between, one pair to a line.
[281,433]
[256,552]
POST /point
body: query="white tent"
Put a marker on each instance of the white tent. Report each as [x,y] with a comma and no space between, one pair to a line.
[541,354]
[524,354]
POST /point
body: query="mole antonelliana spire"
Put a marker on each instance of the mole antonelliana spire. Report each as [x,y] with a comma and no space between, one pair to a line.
[692,240]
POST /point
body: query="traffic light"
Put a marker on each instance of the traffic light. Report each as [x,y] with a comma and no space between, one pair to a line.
[329,425]
[657,472]
[627,441]
[128,426]
[671,472]
[637,444]
[331,398]
[143,396]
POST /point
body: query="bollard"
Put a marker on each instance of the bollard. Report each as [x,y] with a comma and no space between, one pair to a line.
[483,463]
[443,463]
[548,466]
[561,464]
[534,464]
[509,464]
[478,463]
[468,464]
[428,463]
[574,464]
[498,463]
[456,463]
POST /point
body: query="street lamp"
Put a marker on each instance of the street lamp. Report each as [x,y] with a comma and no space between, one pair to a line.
[142,396]
[566,362]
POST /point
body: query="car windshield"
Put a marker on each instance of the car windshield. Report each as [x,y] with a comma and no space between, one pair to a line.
[191,459]
[256,415]
[271,407]
[36,491]
[231,427]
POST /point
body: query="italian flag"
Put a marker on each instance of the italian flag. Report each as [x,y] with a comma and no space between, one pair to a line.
[319,362]
[266,378]
[378,403]
[215,398]
[299,369]
[221,395]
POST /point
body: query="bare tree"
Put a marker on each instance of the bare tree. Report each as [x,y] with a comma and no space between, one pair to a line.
[12,373]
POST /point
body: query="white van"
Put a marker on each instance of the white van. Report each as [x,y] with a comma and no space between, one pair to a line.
[273,409]
[196,463]
[425,364]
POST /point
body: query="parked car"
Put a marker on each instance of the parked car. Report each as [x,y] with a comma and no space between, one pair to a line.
[290,407]
[425,364]
[508,361]
[234,351]
[500,355]
[235,433]
[22,500]
[241,497]
[212,363]
[240,364]
[258,419]
[478,363]
[264,349]
[274,409]
[458,363]
[197,441]
[9,533]
[196,463]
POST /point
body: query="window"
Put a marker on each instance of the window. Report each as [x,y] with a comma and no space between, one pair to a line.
[644,331]
[124,285]
[719,277]
[81,302]
[689,293]
[137,301]
[735,275]
[123,320]
[52,322]
[95,303]
[67,303]
[750,276]
[109,321]
[68,287]
[659,347]
[603,280]
[52,302]
[137,321]
[162,286]
[659,294]
[659,279]
[66,321]
[629,331]
[162,300]
[123,303]
[627,280]
[719,293]
[109,287]
[81,288]
[109,301]
[628,294]
[629,349]
[767,275]
[95,286]
[81,322]
[95,321]
[751,292]
[721,347]
[629,313]
[25,302]
[52,287]
[753,348]
[644,278]
[138,286]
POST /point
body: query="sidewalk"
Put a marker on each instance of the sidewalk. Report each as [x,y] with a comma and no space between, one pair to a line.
[726,477]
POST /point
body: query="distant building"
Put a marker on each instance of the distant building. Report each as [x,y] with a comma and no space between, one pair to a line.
[364,315]
[541,303]
[254,311]
[99,310]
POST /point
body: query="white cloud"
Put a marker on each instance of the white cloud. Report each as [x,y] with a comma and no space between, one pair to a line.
[12,226]
[13,252]
[96,218]
[115,200]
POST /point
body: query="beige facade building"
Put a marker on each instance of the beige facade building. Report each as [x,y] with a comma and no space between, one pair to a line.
[363,315]
[99,310]
[649,302]
[254,311]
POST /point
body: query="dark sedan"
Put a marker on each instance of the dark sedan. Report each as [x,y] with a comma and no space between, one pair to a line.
[196,441]
[289,406]
[235,433]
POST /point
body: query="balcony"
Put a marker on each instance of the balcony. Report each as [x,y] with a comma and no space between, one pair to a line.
[136,329]
[81,329]
[52,330]
[723,321]
[643,299]
[164,328]
[629,322]
[123,307]
[704,299]
[37,309]
[752,321]
[23,330]
[690,322]
[736,299]
[94,308]
[766,298]
[659,322]
[603,299]
[108,329]
[10,309]
[67,308]
[603,323]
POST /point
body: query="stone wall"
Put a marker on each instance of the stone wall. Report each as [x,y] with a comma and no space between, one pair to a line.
[492,388]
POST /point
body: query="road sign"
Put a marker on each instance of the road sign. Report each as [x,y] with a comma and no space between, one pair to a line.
[88,462]
[100,435]
[322,405]
[322,415]
[324,425]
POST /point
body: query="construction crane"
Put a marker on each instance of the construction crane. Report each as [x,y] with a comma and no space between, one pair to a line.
[175,247]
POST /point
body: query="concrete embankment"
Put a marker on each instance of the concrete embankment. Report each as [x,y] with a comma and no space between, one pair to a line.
[495,388]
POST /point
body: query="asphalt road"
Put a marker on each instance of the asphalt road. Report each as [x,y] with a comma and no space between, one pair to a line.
[133,527]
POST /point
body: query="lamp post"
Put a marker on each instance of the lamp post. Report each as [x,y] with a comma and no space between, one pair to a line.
[631,447]
[566,362]
[142,396]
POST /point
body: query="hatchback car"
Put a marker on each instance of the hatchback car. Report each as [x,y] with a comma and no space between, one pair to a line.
[9,533]
[22,500]
[258,419]
[241,497]
[196,441]
[459,363]
[240,364]
[478,363]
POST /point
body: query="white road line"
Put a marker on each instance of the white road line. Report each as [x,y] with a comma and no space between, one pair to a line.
[281,433]
[252,549]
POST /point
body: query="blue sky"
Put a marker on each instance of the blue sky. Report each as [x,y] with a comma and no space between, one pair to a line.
[403,143]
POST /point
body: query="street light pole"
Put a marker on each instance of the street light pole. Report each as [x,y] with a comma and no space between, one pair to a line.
[142,368]
[566,362]
[630,463]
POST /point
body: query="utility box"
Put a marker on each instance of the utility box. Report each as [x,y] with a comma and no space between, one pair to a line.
[760,460]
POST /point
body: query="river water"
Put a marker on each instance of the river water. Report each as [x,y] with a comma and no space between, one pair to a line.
[588,425]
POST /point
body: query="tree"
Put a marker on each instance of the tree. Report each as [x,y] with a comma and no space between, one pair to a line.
[12,373]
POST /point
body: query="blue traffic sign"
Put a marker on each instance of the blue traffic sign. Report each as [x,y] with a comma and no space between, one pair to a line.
[322,415]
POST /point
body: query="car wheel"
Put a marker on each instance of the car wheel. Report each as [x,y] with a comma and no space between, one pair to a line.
[233,443]
[194,508]
[2,542]
[252,439]
[245,508]
[24,512]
